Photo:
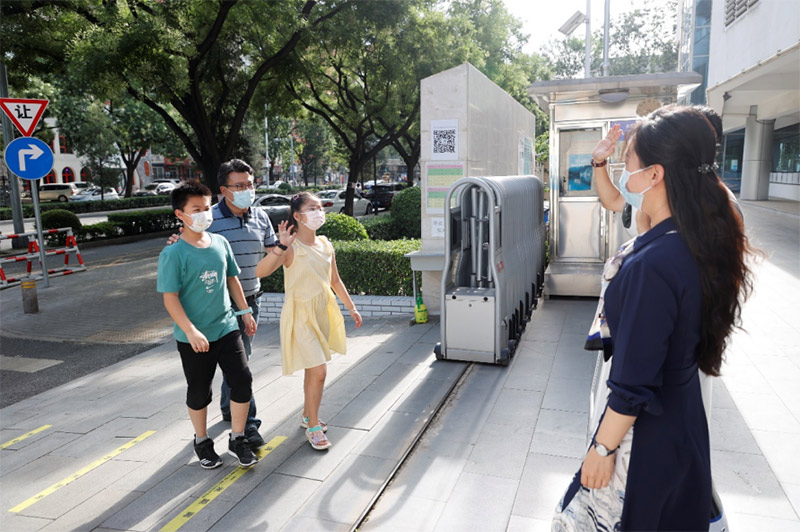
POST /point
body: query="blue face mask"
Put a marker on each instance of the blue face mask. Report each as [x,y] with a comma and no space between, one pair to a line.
[634,198]
[244,198]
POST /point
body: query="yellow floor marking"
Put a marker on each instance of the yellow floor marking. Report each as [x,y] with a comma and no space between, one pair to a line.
[227,481]
[20,438]
[78,474]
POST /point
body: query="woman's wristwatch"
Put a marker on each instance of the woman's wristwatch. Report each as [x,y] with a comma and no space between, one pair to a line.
[281,246]
[602,450]
[599,165]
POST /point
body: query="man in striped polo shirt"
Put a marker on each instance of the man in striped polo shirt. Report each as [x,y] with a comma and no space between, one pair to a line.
[250,234]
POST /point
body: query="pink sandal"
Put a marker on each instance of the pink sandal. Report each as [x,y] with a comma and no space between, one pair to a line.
[317,439]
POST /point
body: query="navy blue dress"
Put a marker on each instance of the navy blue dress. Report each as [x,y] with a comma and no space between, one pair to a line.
[653,308]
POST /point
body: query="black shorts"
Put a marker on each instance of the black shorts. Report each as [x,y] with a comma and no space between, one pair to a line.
[199,368]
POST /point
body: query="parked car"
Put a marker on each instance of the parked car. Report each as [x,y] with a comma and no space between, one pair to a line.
[82,185]
[57,191]
[164,188]
[333,201]
[175,182]
[148,190]
[93,194]
[277,207]
[381,195]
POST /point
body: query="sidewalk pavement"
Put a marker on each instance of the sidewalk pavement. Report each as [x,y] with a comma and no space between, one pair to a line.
[497,457]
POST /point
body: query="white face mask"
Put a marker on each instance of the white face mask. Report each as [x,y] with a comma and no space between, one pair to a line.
[244,198]
[634,198]
[200,221]
[314,219]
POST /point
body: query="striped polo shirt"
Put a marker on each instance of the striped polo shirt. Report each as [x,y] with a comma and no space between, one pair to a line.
[248,236]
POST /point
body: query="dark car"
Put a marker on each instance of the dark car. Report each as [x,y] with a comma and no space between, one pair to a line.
[381,195]
[276,206]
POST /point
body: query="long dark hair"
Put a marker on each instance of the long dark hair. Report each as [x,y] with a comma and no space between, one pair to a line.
[682,140]
[297,203]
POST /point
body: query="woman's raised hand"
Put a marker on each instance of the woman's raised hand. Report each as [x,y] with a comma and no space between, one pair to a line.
[605,147]
[286,234]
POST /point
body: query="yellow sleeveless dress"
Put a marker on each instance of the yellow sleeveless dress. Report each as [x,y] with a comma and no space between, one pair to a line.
[312,325]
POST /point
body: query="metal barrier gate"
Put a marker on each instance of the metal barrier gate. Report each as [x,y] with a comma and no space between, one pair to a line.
[494,266]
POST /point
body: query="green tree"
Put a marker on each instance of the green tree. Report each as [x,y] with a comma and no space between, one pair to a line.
[197,64]
[315,147]
[353,75]
[640,42]
[91,133]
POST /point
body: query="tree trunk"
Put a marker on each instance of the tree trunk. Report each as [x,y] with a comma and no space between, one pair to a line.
[354,167]
[210,167]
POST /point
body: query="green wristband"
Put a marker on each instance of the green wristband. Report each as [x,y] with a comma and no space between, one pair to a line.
[248,310]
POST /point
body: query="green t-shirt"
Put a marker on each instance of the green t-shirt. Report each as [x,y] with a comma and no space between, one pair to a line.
[199,276]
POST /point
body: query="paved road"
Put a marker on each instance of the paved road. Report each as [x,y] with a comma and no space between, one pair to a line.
[87,321]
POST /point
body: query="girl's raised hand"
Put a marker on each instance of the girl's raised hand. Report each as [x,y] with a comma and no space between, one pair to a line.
[605,147]
[286,234]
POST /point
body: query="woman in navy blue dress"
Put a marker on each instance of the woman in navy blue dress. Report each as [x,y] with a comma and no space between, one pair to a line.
[669,310]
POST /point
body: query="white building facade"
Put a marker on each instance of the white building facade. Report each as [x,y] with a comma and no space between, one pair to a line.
[754,84]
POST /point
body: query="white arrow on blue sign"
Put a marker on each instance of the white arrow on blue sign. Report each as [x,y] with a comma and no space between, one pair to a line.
[29,158]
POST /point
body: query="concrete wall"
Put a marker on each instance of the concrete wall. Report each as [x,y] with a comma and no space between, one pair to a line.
[766,27]
[491,126]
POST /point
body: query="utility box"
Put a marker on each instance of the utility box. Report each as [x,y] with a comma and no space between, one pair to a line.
[469,126]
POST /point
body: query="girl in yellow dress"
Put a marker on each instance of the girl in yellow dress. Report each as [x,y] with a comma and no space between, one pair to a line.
[312,325]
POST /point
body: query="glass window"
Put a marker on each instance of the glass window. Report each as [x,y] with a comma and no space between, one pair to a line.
[67,175]
[701,40]
[700,65]
[702,13]
[732,165]
[786,149]
[575,155]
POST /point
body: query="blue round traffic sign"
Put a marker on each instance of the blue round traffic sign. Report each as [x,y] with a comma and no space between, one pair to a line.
[29,158]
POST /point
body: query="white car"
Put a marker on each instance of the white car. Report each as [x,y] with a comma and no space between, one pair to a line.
[93,194]
[333,201]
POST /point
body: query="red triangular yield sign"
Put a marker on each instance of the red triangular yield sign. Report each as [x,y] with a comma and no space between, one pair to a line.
[24,113]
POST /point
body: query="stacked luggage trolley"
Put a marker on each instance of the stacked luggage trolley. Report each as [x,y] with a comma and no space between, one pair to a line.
[494,266]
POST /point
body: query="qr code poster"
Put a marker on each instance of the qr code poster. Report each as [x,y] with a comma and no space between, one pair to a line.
[444,140]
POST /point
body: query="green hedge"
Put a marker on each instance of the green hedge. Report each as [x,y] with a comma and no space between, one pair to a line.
[58,218]
[406,213]
[342,227]
[371,267]
[91,206]
[139,222]
[380,228]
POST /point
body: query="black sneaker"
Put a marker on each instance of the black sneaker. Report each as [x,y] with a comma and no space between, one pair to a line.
[240,448]
[254,439]
[205,453]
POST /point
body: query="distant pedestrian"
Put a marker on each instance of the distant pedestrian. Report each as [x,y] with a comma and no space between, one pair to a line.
[198,277]
[249,232]
[312,325]
[673,299]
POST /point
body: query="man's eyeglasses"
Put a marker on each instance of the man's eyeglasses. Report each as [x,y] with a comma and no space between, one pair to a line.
[241,186]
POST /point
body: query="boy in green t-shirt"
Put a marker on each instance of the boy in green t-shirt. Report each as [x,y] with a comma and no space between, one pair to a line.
[196,275]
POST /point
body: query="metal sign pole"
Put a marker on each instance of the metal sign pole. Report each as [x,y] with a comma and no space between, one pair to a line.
[13,180]
[35,196]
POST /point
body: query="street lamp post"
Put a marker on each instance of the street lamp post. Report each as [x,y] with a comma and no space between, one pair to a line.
[571,25]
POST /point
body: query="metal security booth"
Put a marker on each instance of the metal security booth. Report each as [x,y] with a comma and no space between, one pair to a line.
[582,233]
[494,266]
